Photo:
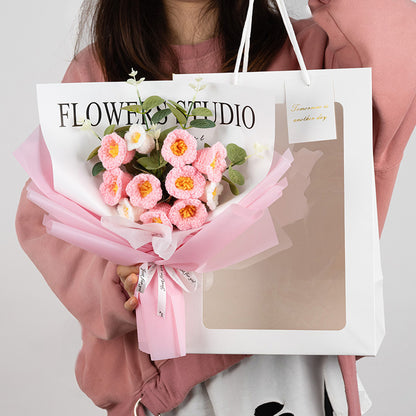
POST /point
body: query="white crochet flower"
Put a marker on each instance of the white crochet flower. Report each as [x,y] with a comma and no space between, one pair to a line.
[212,191]
[260,150]
[126,210]
[138,139]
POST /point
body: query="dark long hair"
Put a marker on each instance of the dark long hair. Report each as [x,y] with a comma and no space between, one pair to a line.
[129,34]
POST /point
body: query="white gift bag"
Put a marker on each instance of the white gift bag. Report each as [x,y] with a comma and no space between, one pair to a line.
[320,290]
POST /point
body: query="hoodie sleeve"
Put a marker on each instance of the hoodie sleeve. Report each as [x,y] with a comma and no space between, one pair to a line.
[86,284]
[380,34]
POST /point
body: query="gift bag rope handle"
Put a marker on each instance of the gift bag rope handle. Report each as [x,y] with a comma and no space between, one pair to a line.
[136,406]
[246,35]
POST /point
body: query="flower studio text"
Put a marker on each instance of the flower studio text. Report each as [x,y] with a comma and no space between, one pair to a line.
[70,114]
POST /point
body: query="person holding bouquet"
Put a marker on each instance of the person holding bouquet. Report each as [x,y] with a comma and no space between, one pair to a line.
[162,37]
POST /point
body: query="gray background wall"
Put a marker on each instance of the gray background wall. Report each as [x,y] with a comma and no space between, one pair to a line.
[40,339]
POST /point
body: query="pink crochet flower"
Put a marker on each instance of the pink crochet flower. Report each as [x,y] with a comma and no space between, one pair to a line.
[164,207]
[144,191]
[155,216]
[185,182]
[187,214]
[114,185]
[113,151]
[179,148]
[211,161]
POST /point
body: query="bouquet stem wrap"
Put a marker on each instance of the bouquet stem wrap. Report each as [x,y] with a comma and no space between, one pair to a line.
[170,262]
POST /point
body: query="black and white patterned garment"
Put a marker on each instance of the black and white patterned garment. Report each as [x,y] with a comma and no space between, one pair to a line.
[266,385]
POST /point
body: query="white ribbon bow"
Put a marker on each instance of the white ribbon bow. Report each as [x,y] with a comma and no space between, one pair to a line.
[188,281]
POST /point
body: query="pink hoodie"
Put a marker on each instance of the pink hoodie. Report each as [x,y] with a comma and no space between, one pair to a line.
[110,369]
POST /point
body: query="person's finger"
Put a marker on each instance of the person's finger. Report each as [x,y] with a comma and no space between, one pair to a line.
[124,271]
[131,304]
[130,283]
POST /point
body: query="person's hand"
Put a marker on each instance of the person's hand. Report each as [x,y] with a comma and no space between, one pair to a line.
[129,279]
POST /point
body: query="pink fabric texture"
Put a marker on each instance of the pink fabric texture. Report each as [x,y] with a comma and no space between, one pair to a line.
[110,368]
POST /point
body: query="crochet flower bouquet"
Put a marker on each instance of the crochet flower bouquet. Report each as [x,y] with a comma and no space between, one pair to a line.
[177,204]
[161,177]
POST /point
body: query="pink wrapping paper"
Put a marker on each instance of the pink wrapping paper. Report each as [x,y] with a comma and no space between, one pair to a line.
[240,232]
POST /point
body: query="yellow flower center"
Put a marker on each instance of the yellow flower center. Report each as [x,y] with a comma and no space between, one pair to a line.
[113,152]
[188,211]
[145,188]
[214,163]
[136,137]
[214,192]
[126,210]
[178,147]
[156,220]
[185,183]
[114,187]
